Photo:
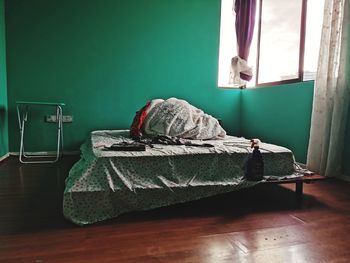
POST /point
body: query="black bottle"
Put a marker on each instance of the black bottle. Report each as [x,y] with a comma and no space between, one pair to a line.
[255,163]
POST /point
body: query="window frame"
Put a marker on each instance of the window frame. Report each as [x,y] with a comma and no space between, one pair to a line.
[258,28]
[301,49]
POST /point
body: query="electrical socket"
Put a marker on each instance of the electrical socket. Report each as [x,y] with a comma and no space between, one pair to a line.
[53,118]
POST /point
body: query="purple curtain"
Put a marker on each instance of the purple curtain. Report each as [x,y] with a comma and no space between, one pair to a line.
[245,19]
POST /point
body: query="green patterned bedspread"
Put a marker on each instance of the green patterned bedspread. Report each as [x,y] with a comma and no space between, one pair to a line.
[105,184]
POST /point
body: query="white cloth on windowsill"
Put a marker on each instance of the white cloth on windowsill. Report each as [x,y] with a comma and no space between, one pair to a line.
[239,65]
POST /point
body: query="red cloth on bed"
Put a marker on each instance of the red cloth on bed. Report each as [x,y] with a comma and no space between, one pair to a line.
[136,126]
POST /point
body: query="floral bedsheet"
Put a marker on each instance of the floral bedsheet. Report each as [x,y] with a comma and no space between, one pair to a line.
[104,184]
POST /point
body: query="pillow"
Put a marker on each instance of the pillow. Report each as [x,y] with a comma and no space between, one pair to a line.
[136,126]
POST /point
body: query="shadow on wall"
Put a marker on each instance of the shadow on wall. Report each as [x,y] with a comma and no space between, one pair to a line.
[279,115]
[2,126]
[346,163]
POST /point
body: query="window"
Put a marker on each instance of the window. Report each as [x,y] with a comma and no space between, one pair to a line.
[285,42]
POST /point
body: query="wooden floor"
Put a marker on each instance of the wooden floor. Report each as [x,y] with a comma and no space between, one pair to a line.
[261,224]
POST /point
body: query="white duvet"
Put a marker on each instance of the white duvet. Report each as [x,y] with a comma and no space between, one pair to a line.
[178,118]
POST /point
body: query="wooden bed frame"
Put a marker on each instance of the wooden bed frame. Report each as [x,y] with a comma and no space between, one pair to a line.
[299,181]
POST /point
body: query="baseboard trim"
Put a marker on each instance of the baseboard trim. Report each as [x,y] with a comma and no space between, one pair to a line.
[50,153]
[343,178]
[3,158]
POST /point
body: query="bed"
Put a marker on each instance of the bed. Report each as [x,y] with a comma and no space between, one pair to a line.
[104,184]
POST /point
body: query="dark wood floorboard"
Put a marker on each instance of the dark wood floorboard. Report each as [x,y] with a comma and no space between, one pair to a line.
[261,224]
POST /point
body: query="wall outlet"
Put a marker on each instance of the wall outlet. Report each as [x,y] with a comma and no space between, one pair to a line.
[53,118]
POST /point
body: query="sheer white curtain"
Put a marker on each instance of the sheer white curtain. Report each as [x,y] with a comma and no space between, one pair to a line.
[331,92]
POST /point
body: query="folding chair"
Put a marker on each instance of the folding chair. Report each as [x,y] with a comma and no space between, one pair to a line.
[23,109]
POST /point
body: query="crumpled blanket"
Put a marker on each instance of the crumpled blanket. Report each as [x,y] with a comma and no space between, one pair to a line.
[178,118]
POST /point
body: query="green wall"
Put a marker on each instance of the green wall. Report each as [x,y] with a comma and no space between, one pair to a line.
[3,87]
[279,115]
[105,59]
[282,115]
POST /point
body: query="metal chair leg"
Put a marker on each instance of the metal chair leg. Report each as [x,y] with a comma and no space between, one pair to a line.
[22,154]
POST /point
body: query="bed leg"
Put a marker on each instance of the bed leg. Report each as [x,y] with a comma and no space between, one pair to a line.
[299,192]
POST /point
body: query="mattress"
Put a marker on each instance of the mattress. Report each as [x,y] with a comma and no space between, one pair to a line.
[104,184]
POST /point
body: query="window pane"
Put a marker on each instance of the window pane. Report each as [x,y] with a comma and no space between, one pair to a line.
[228,46]
[314,21]
[280,40]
